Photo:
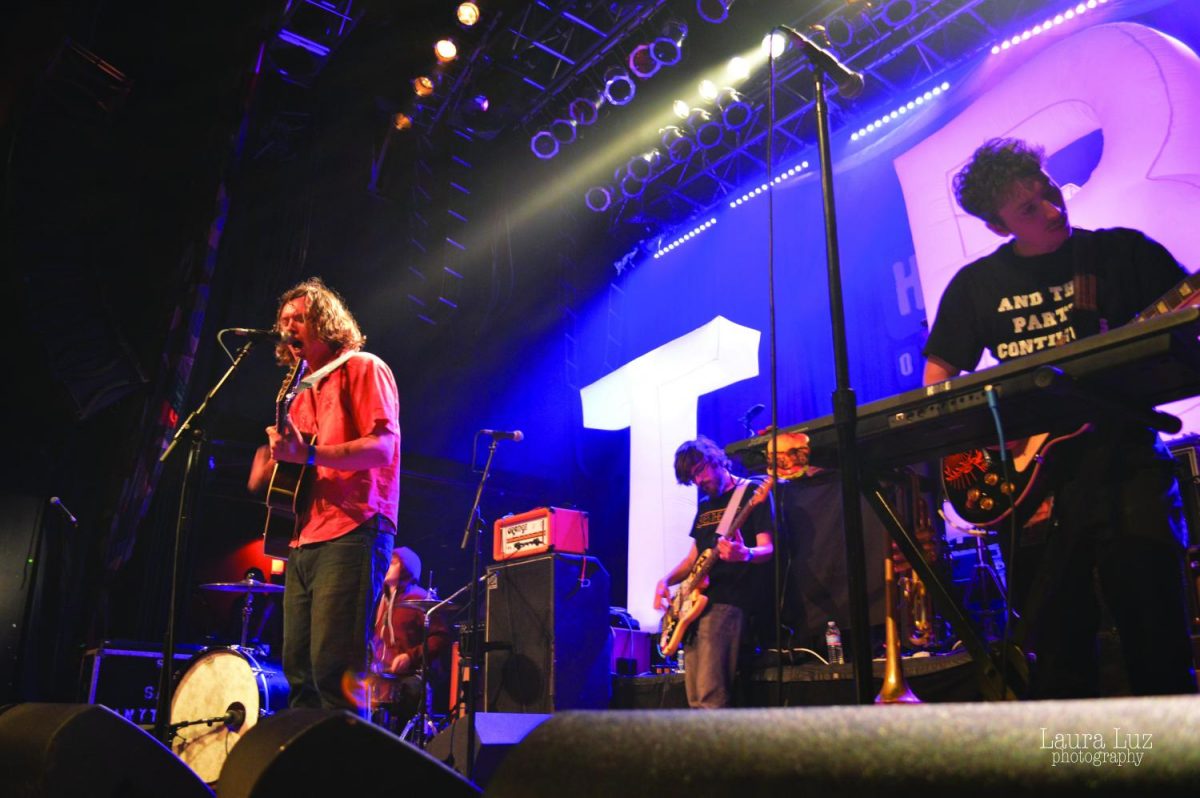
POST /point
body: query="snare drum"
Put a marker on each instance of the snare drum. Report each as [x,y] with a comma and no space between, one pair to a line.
[215,680]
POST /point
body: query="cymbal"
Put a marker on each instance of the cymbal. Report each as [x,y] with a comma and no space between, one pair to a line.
[244,586]
[424,605]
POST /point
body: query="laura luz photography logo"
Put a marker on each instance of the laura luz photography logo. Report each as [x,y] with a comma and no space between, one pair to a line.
[1121,747]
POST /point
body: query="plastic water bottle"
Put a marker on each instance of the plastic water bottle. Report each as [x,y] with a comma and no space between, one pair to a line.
[833,643]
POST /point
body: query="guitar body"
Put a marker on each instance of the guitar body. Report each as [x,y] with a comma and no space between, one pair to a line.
[286,494]
[974,482]
[688,602]
[287,490]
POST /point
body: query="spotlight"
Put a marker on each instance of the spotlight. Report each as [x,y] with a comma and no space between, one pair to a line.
[642,62]
[640,167]
[776,43]
[680,108]
[696,118]
[708,90]
[445,50]
[631,187]
[714,11]
[584,111]
[667,49]
[618,86]
[597,198]
[899,12]
[468,14]
[423,86]
[563,130]
[839,31]
[679,146]
[401,121]
[738,68]
[736,113]
[544,145]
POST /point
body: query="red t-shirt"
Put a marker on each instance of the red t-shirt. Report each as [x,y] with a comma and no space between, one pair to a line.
[345,406]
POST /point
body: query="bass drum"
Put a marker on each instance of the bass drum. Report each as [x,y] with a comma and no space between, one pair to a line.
[214,682]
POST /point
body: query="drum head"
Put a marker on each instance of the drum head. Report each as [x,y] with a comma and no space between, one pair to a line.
[213,682]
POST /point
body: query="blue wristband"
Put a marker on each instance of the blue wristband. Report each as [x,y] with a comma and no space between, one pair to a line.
[312,455]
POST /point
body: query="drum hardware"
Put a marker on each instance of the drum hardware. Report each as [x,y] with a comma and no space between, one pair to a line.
[420,728]
[249,586]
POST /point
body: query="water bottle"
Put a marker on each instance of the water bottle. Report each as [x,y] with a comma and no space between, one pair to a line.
[833,643]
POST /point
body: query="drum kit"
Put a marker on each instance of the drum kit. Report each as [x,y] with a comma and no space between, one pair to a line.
[224,691]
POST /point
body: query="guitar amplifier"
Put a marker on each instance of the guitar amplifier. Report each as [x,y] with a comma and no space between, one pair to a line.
[539,531]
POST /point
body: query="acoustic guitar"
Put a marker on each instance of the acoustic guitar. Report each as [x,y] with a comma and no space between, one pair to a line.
[287,490]
[974,481]
[689,601]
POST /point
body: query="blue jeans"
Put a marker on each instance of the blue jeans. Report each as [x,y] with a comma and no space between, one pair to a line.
[328,600]
[710,657]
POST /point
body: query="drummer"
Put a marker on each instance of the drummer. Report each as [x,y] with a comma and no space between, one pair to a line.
[397,647]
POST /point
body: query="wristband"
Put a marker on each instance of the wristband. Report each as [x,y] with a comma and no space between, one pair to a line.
[312,455]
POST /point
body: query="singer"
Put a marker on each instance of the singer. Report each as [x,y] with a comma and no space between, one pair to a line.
[347,530]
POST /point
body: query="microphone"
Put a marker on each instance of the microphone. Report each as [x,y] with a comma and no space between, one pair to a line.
[57,502]
[849,82]
[235,716]
[273,336]
[516,436]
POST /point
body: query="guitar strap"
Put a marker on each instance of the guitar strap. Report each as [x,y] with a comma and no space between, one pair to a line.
[313,378]
[731,509]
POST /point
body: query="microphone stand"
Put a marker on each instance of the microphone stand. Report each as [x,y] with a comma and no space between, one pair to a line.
[845,414]
[474,529]
[193,429]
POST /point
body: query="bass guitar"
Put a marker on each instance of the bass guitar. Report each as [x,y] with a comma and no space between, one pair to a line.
[689,601]
[974,482]
[289,481]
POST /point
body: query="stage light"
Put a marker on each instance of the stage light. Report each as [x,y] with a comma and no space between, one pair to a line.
[709,134]
[563,130]
[900,111]
[445,50]
[597,198]
[696,118]
[708,90]
[544,145]
[480,103]
[736,113]
[899,12]
[619,88]
[776,43]
[667,49]
[688,236]
[423,86]
[787,174]
[640,167]
[468,14]
[1058,19]
[401,121]
[680,108]
[679,146]
[714,11]
[631,187]
[738,68]
[642,63]
[839,31]
[584,111]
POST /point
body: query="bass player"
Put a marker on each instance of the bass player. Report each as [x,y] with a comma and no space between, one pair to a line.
[346,429]
[711,645]
[1112,514]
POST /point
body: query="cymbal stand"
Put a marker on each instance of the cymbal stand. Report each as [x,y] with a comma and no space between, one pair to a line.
[421,721]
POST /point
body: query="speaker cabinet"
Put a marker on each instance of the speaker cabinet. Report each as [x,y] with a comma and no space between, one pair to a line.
[1102,747]
[53,750]
[495,735]
[326,752]
[547,637]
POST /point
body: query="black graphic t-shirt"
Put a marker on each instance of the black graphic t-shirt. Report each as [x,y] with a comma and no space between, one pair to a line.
[1014,305]
[1116,478]
[735,583]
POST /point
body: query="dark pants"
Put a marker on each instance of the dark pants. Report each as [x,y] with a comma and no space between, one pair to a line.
[328,600]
